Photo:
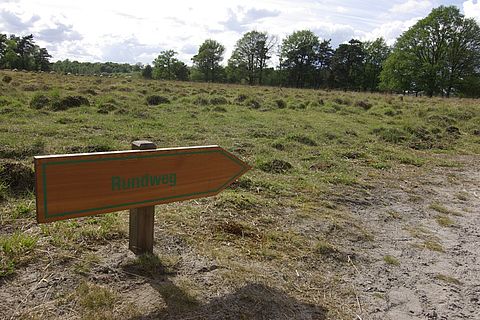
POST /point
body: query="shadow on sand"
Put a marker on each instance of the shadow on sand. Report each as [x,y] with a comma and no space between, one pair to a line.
[252,301]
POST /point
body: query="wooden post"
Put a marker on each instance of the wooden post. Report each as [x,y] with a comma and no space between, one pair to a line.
[141,219]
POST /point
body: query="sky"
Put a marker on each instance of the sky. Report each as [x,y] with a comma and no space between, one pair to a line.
[137,31]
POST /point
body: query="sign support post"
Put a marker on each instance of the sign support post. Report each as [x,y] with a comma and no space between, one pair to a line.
[141,224]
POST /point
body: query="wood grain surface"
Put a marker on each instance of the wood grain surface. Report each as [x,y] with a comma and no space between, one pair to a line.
[69,186]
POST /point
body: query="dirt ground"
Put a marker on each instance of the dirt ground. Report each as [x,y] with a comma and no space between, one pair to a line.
[423,262]
[433,269]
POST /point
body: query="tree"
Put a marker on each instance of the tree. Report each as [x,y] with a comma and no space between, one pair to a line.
[324,54]
[163,65]
[436,55]
[147,72]
[25,49]
[22,53]
[3,48]
[40,58]
[376,52]
[167,67]
[298,55]
[207,60]
[250,56]
[348,65]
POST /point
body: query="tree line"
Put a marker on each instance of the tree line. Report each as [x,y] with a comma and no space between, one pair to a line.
[22,53]
[439,55]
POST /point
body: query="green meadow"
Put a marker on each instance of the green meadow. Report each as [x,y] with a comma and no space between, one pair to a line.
[284,230]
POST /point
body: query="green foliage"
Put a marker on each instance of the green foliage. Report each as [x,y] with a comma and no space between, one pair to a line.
[167,67]
[376,52]
[147,72]
[298,56]
[250,57]
[92,68]
[154,100]
[39,101]
[348,65]
[440,54]
[22,53]
[68,102]
[7,79]
[13,250]
[275,166]
[207,60]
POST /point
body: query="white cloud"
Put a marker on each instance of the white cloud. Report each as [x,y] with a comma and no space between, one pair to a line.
[131,31]
[472,9]
[389,31]
[412,6]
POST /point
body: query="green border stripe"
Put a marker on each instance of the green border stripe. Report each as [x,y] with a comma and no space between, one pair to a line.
[213,191]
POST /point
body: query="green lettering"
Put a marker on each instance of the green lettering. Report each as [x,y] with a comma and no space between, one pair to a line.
[126,185]
[115,183]
[173,179]
[155,180]
[165,179]
[145,180]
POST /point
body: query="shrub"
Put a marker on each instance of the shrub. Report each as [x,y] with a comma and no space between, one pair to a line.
[341,101]
[241,98]
[39,101]
[281,104]
[365,105]
[201,101]
[69,102]
[17,177]
[303,140]
[219,109]
[253,103]
[155,100]
[275,166]
[7,79]
[218,100]
[105,108]
[392,135]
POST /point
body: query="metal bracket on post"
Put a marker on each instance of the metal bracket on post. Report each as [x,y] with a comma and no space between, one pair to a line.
[141,219]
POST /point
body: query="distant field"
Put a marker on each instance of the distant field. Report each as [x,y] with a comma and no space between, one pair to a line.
[281,241]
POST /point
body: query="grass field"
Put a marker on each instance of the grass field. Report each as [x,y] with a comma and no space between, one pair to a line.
[279,241]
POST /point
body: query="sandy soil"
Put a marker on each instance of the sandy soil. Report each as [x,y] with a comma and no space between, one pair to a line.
[413,268]
[443,283]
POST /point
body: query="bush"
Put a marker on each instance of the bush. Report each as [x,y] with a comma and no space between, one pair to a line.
[303,140]
[341,101]
[17,177]
[69,102]
[218,100]
[253,103]
[365,105]
[155,100]
[201,101]
[105,108]
[39,101]
[281,104]
[241,98]
[275,166]
[7,79]
[392,135]
[219,109]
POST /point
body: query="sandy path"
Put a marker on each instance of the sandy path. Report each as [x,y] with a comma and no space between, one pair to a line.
[438,270]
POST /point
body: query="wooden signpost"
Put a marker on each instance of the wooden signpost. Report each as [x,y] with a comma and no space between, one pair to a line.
[77,185]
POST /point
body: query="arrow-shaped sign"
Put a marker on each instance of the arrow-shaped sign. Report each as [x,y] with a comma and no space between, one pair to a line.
[69,186]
